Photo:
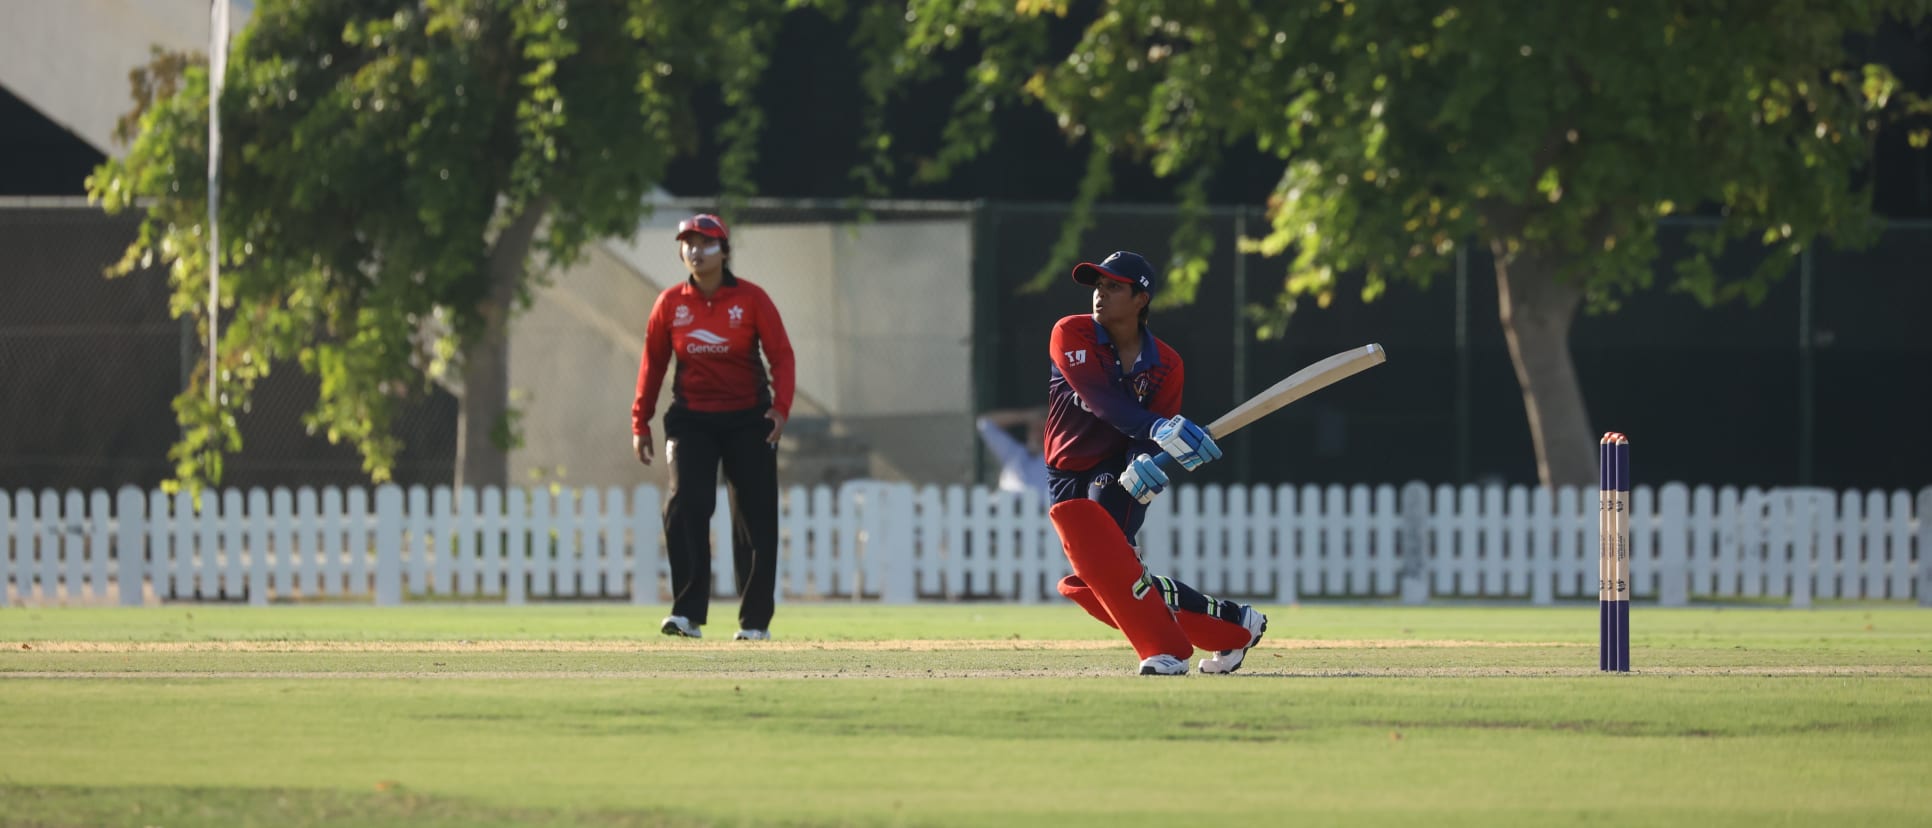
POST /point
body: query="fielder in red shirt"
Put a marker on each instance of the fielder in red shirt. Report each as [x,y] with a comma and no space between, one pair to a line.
[1114,406]
[724,409]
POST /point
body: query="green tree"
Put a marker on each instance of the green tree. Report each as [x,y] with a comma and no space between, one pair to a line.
[1552,134]
[396,176]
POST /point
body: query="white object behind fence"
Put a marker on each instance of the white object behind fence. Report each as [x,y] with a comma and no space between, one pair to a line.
[898,543]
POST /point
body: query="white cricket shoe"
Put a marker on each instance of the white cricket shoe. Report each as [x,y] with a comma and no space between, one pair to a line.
[752,635]
[1163,665]
[680,625]
[1228,661]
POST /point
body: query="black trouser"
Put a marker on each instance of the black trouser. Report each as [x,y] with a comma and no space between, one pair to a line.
[695,443]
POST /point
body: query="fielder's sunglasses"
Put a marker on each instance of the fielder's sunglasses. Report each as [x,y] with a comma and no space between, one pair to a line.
[701,224]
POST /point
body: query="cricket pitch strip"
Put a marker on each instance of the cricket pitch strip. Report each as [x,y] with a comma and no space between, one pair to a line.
[824,659]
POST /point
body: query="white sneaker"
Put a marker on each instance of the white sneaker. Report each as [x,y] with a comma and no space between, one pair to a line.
[1163,665]
[752,635]
[1228,661]
[680,625]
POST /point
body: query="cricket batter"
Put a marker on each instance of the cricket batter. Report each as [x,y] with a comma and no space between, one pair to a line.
[1114,403]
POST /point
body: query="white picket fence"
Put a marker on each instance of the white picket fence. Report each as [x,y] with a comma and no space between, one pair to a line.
[869,540]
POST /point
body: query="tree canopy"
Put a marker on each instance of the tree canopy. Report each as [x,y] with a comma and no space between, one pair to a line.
[1551,134]
[388,171]
[392,168]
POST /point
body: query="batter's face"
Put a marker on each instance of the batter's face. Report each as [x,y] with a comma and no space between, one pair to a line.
[1116,303]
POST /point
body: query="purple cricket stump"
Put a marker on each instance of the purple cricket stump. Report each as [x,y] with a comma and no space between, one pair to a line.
[1613,553]
[1625,555]
[1603,635]
[1623,636]
[1605,529]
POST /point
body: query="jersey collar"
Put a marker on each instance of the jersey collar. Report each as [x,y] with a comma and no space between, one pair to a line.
[691,284]
[1150,356]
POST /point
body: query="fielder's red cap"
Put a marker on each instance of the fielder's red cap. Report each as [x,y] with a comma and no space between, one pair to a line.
[704,224]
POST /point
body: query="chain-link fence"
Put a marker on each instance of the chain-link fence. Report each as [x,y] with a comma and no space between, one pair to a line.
[92,366]
[80,354]
[1827,382]
[912,317]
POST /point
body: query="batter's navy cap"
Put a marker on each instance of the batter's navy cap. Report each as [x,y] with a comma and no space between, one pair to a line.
[704,224]
[1121,266]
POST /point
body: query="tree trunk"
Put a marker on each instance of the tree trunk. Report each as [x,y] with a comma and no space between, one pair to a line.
[1537,309]
[482,459]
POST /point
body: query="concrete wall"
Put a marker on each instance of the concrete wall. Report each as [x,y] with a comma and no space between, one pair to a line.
[70,58]
[879,315]
[573,359]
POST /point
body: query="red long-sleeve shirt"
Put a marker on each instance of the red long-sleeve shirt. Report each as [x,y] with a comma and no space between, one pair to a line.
[716,341]
[1096,408]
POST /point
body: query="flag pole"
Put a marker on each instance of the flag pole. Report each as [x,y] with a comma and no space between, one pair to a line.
[217,73]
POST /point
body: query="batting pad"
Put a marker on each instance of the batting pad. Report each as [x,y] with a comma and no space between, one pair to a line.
[1102,558]
[1077,591]
[1205,632]
[1210,633]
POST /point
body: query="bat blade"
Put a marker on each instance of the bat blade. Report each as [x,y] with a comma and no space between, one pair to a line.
[1298,385]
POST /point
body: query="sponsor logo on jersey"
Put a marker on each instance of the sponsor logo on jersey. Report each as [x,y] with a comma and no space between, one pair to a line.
[1077,357]
[682,317]
[701,341]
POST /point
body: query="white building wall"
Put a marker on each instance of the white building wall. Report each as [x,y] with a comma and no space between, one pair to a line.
[70,59]
[879,316]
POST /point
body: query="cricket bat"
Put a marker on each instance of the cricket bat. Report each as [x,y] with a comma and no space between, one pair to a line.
[1298,385]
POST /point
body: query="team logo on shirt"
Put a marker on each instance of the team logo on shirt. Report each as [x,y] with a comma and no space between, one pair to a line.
[1077,357]
[1141,385]
[737,315]
[682,317]
[702,341]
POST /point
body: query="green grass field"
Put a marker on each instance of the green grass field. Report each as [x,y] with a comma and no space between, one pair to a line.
[957,714]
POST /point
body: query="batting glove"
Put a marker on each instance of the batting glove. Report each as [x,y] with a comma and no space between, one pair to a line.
[1188,443]
[1143,479]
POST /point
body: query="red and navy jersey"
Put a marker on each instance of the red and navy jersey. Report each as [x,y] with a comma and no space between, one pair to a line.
[716,341]
[1096,409]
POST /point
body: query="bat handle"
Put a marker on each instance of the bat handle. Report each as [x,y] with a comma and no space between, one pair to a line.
[1166,462]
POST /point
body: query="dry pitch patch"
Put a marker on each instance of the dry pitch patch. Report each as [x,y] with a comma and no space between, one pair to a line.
[1271,659]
